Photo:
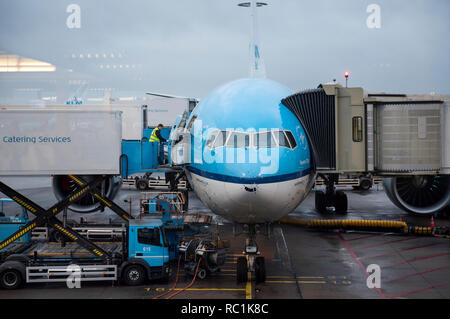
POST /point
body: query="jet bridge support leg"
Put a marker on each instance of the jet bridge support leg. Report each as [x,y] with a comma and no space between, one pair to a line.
[331,197]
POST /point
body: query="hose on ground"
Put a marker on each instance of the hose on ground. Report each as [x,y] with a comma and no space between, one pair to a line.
[175,284]
[369,225]
[191,283]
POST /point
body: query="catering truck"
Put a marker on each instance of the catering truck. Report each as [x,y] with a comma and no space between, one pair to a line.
[81,149]
[142,254]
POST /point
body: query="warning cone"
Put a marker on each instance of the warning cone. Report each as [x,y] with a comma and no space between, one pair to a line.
[432,222]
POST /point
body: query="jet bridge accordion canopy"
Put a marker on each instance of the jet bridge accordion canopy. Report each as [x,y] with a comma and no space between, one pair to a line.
[316,112]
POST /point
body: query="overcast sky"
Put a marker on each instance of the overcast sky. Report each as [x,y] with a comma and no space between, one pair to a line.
[189,47]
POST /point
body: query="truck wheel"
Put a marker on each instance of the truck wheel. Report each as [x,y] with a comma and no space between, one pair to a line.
[57,237]
[134,275]
[11,279]
[260,269]
[201,273]
[365,184]
[142,184]
[241,270]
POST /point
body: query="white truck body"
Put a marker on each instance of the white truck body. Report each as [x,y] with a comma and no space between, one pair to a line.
[165,110]
[59,142]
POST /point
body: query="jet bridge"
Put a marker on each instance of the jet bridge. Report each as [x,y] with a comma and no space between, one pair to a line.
[403,138]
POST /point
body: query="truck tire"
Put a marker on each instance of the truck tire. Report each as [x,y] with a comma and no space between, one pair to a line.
[10,279]
[365,184]
[142,184]
[58,237]
[201,273]
[134,275]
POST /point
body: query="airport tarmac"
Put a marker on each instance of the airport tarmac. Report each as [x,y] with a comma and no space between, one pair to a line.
[300,263]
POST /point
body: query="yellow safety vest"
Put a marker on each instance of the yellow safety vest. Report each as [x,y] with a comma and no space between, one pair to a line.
[153,137]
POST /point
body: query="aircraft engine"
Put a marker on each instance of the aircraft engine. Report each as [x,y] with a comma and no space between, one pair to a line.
[63,185]
[421,194]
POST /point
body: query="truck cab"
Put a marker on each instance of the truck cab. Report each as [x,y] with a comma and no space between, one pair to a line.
[148,252]
[10,224]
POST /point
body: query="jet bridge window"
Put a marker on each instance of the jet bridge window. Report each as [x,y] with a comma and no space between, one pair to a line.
[148,236]
[357,129]
[239,140]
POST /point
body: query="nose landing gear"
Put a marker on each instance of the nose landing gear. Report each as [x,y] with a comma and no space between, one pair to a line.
[251,262]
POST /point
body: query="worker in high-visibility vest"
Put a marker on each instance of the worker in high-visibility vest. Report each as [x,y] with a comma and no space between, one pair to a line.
[156,137]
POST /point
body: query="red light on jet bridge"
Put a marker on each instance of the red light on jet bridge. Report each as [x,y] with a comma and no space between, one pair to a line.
[346,74]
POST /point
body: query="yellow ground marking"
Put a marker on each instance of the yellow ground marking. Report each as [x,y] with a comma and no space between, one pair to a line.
[200,289]
[248,286]
[298,277]
[60,254]
[294,282]
[72,243]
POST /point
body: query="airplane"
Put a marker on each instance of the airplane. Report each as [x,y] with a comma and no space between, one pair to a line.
[250,160]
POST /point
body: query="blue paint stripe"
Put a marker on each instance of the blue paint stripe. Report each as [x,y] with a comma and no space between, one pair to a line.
[247,180]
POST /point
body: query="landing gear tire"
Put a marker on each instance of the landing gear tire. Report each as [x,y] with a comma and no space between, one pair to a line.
[260,269]
[134,275]
[11,279]
[241,270]
[141,184]
[201,273]
[340,202]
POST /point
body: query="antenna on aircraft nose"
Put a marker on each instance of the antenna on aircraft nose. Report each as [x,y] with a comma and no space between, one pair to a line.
[257,67]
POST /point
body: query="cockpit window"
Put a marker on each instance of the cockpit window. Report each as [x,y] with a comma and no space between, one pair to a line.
[212,138]
[245,140]
[239,140]
[191,123]
[291,139]
[282,140]
[221,139]
[265,139]
[285,139]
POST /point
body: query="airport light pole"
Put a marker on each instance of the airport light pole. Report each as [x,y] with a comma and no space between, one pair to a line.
[257,67]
